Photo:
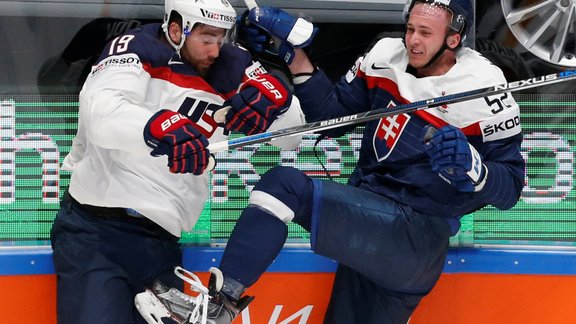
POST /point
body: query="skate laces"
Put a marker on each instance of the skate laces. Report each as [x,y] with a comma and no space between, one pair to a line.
[199,312]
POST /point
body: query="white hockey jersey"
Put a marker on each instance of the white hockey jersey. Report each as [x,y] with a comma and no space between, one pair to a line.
[392,160]
[137,75]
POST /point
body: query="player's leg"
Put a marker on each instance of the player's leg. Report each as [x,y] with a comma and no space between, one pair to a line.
[357,300]
[147,253]
[89,287]
[392,255]
[261,230]
[102,264]
[282,195]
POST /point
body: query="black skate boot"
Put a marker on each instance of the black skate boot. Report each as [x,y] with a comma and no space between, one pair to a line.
[221,309]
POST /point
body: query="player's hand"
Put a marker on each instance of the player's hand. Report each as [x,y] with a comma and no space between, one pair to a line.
[173,134]
[253,37]
[257,104]
[455,160]
[290,31]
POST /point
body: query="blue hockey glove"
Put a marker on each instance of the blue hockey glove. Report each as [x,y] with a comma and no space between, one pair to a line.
[290,31]
[253,37]
[257,104]
[173,134]
[455,160]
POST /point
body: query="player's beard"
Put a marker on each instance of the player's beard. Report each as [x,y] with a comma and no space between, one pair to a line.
[202,66]
[202,70]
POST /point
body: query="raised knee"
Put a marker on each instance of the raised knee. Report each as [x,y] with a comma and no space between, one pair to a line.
[279,192]
[281,178]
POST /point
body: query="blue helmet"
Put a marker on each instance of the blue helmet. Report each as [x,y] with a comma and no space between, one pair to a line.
[462,12]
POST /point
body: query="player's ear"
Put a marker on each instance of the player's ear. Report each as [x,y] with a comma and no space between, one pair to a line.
[453,40]
[175,32]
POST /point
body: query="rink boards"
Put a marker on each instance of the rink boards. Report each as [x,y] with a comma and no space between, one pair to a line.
[477,286]
[483,282]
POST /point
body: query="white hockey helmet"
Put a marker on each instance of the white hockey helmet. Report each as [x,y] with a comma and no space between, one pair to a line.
[216,13]
[462,12]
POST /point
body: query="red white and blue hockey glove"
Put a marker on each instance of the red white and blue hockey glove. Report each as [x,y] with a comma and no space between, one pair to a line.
[257,104]
[290,31]
[455,160]
[173,134]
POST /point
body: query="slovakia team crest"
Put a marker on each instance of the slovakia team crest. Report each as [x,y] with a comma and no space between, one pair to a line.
[388,134]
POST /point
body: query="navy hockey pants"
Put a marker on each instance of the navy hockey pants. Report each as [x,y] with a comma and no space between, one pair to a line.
[102,261]
[389,255]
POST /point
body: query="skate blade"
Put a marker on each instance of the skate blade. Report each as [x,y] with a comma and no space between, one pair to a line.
[151,308]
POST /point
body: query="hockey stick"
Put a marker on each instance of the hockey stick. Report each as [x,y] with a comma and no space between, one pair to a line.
[220,115]
[401,109]
[250,4]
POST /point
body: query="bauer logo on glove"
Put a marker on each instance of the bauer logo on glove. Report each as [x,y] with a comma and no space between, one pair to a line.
[170,133]
[257,104]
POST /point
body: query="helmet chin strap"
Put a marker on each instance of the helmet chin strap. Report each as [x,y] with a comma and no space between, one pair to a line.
[176,47]
[438,54]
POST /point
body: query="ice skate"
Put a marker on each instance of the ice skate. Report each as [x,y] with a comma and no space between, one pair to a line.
[162,305]
[222,310]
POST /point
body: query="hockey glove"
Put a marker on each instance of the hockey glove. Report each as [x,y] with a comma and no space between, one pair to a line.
[257,104]
[455,160]
[173,134]
[290,31]
[253,37]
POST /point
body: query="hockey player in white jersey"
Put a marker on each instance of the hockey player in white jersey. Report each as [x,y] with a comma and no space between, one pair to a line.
[417,175]
[139,159]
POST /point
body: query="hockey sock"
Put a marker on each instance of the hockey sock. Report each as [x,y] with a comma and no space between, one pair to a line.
[254,243]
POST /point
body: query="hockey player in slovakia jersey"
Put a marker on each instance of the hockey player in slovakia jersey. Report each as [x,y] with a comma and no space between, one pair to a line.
[139,159]
[417,173]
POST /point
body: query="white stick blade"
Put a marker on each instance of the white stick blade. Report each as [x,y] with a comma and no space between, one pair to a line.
[251,4]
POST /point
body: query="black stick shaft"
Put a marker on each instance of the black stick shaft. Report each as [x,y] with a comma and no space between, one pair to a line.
[405,108]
